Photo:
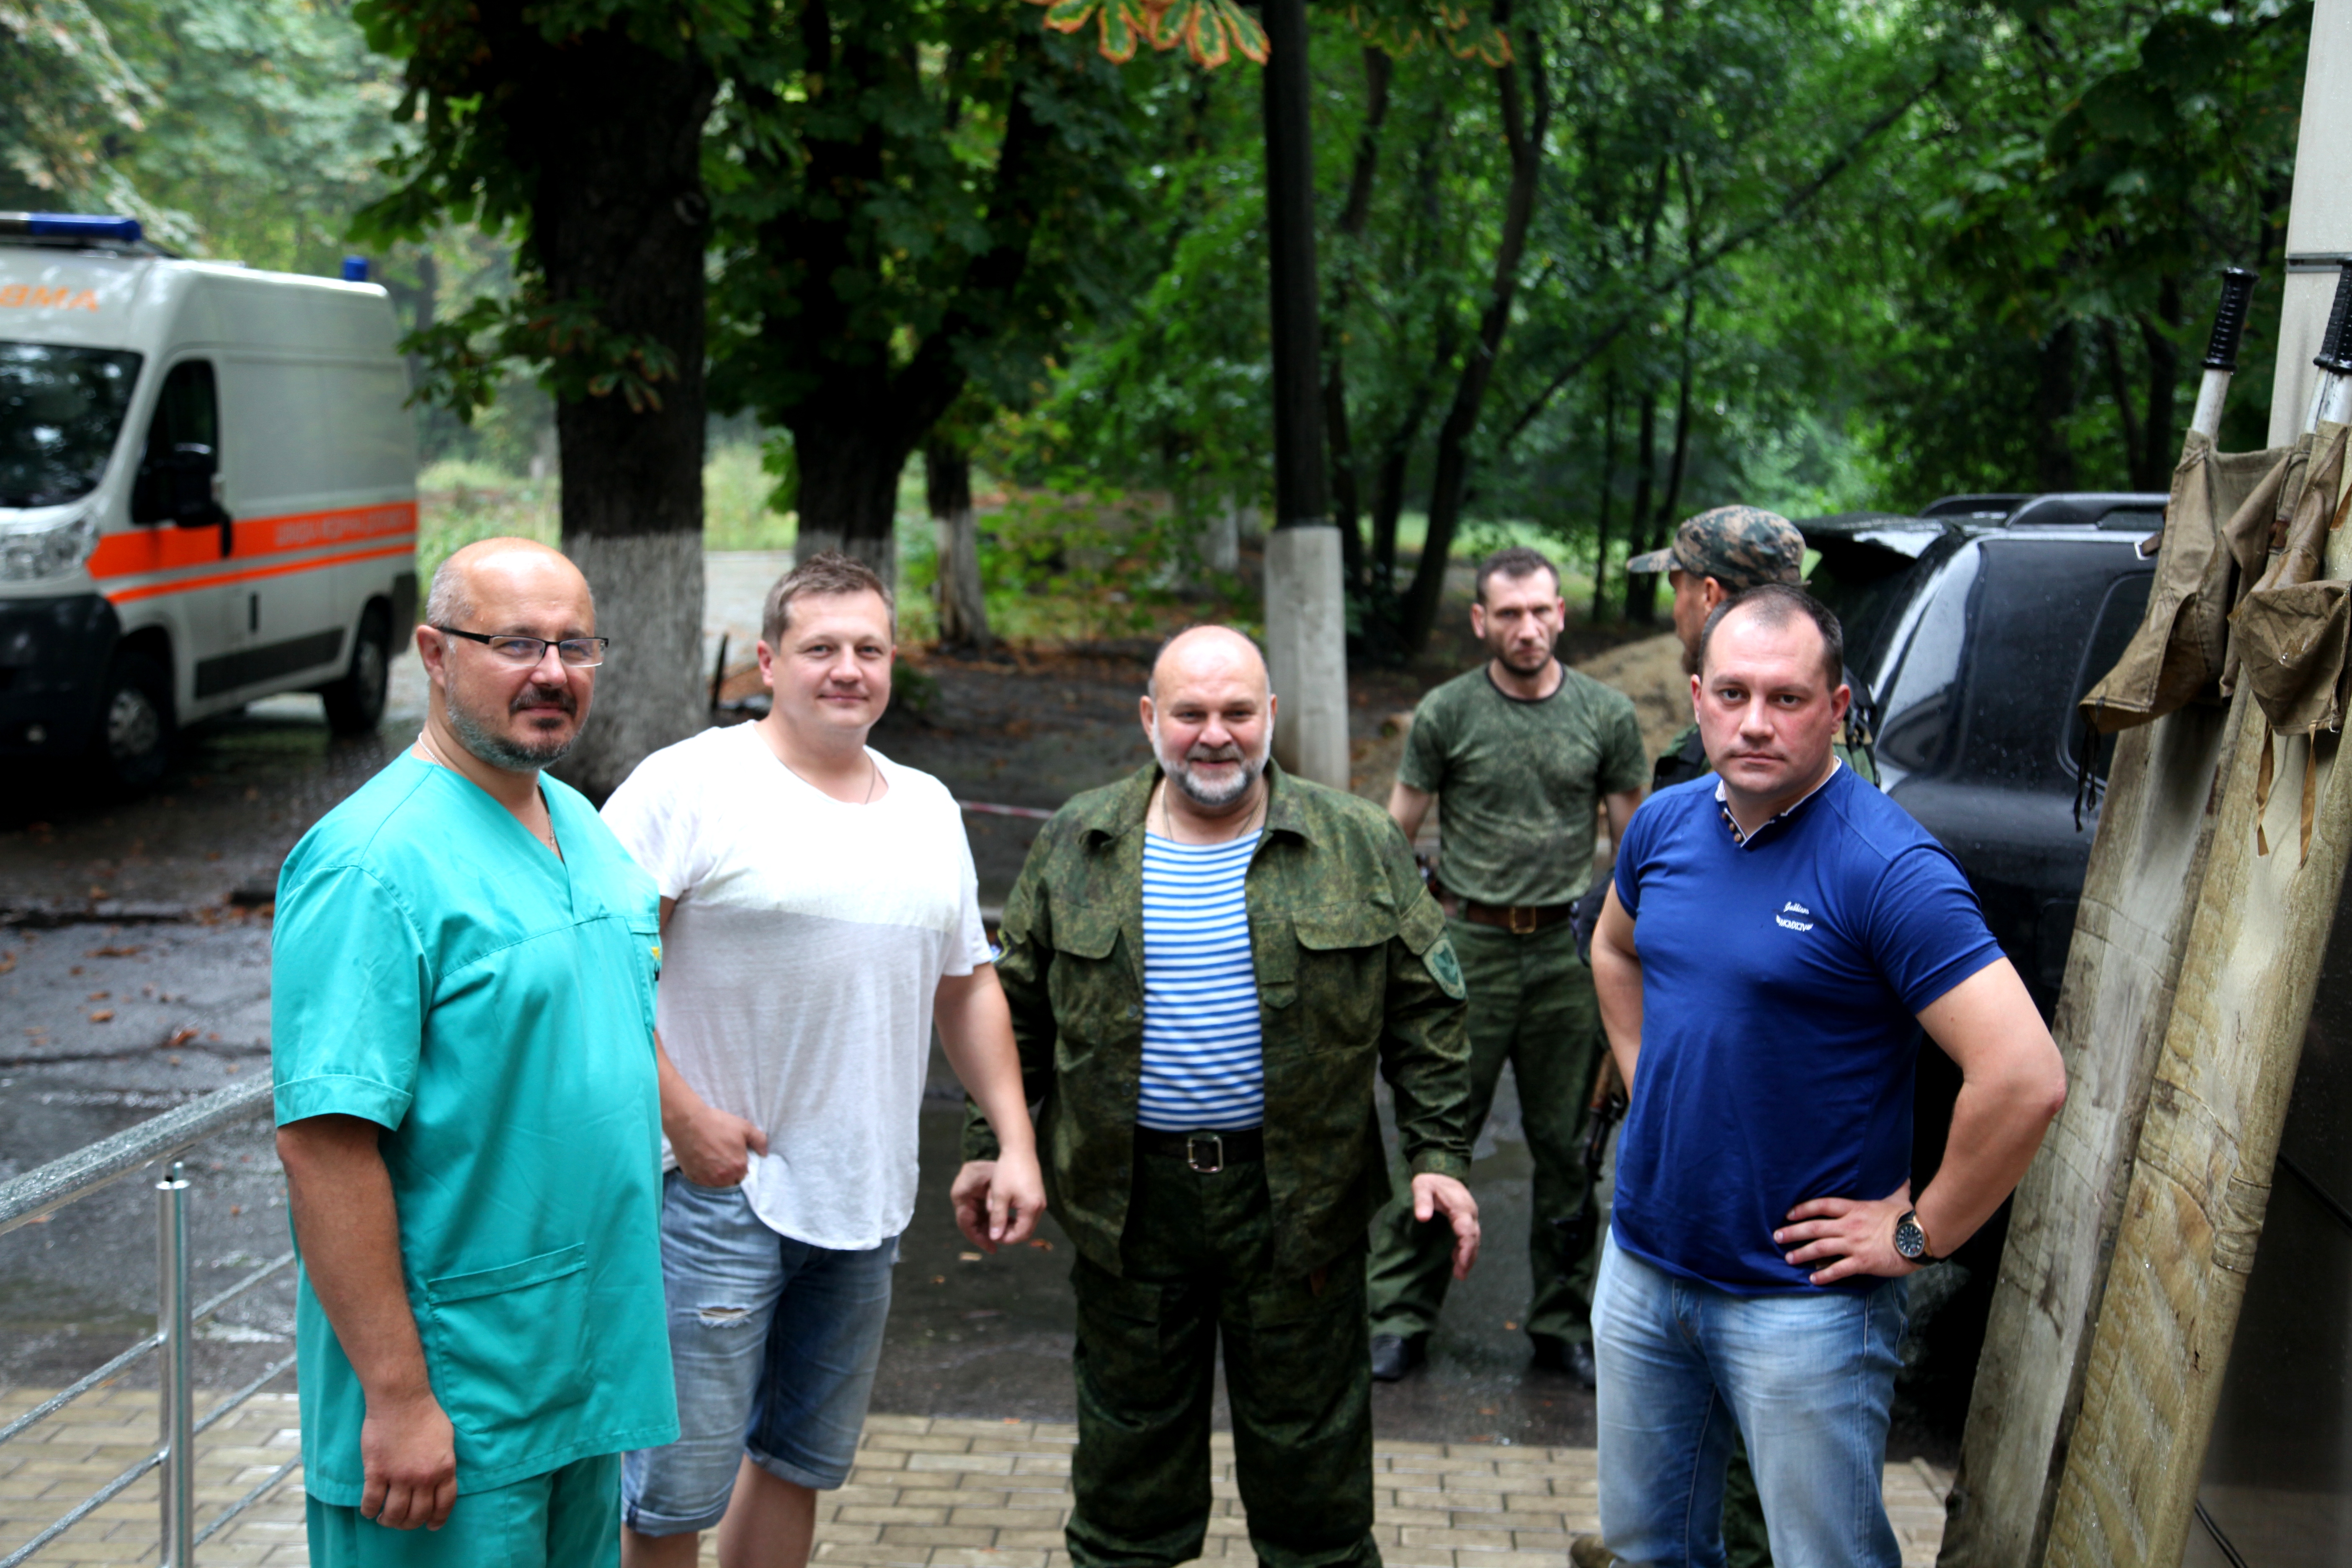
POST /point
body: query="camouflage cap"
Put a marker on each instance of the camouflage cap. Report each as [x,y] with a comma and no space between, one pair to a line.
[1738,546]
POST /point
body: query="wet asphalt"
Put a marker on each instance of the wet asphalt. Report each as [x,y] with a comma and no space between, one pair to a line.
[134,977]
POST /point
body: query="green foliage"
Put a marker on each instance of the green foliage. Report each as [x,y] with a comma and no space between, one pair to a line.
[914,201]
[64,92]
[1890,252]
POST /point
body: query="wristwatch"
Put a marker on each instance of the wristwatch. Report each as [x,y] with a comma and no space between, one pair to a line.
[1911,1239]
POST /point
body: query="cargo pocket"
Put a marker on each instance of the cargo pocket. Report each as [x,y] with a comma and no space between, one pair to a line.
[1306,1348]
[1342,974]
[508,1346]
[1122,1344]
[1093,1001]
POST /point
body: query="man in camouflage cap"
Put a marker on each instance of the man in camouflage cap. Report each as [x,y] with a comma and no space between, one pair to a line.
[1717,553]
[1208,962]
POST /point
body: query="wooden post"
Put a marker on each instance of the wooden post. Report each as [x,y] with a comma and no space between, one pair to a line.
[2138,898]
[2202,1178]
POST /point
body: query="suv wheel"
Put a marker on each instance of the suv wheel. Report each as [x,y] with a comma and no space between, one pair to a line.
[132,745]
[355,702]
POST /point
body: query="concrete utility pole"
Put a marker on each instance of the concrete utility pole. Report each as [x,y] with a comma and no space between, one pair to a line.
[2319,222]
[1305,616]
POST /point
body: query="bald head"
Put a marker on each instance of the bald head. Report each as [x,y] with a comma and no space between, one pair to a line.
[1199,653]
[1210,717]
[510,709]
[500,570]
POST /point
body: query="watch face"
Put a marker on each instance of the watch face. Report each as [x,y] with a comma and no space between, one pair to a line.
[1909,1239]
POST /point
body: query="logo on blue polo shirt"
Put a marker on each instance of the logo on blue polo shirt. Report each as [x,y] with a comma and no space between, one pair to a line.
[1793,908]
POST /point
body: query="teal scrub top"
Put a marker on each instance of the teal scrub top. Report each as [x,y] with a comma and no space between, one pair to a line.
[435,970]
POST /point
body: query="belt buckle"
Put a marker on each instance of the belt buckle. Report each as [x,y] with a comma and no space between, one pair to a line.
[1192,1141]
[1511,919]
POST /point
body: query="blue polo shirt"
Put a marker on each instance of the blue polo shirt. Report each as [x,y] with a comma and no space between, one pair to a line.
[437,970]
[1782,978]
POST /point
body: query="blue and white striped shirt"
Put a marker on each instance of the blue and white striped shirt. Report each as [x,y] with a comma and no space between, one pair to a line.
[1201,1066]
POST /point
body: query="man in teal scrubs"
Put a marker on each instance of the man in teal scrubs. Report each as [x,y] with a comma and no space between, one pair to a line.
[462,1016]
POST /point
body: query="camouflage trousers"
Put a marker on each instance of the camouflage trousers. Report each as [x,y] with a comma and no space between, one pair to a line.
[1197,1255]
[1531,1005]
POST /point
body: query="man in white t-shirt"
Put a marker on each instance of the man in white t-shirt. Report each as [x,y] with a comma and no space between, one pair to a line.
[819,915]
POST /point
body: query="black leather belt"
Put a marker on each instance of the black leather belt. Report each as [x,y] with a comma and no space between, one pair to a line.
[1520,919]
[1207,1153]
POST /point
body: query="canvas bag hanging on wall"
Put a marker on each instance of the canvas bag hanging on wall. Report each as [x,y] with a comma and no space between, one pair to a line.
[2291,636]
[2217,534]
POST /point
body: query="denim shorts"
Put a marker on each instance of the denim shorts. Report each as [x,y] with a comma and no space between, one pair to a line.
[774,1344]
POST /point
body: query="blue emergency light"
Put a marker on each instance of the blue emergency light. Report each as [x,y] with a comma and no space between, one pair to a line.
[87,227]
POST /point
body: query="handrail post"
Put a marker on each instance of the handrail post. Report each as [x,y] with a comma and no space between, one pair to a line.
[176,1414]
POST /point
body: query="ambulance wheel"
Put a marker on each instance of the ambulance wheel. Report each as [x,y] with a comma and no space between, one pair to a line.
[132,745]
[355,702]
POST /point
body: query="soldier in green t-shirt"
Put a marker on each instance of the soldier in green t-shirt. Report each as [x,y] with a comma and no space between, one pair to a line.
[1521,753]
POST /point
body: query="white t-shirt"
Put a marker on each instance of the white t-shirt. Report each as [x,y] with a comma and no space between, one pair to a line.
[799,966]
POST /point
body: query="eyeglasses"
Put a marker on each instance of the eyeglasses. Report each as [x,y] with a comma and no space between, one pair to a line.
[580,653]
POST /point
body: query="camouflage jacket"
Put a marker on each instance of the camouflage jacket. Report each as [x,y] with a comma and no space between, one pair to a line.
[1354,971]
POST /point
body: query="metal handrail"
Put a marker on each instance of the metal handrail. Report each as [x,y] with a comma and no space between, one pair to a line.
[82,1173]
[87,1169]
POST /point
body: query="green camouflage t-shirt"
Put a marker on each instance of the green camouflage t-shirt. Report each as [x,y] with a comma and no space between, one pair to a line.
[1518,782]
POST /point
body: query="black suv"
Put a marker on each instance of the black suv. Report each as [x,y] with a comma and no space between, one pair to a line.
[1975,627]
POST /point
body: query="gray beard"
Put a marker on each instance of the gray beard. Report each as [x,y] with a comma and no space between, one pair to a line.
[1180,774]
[500,752]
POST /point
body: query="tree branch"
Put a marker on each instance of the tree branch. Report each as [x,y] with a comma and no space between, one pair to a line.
[1736,240]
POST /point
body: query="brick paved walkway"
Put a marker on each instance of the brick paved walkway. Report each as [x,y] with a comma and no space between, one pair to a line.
[926,1494]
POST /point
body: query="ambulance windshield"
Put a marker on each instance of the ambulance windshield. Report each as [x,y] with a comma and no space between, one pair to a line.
[60,410]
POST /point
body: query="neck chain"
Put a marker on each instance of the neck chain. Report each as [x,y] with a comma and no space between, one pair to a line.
[873,779]
[1168,816]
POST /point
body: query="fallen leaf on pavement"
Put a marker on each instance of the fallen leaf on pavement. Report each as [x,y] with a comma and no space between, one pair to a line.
[103,1016]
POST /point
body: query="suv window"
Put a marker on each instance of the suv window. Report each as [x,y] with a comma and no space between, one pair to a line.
[1921,706]
[2119,616]
[184,431]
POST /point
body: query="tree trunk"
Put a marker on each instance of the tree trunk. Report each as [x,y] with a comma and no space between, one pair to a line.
[1608,495]
[1662,526]
[2111,354]
[947,484]
[850,461]
[613,133]
[863,411]
[2163,383]
[1642,590]
[1523,131]
[1305,598]
[2054,402]
[1347,508]
[1396,463]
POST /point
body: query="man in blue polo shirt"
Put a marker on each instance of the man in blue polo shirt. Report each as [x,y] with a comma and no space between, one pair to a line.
[1775,935]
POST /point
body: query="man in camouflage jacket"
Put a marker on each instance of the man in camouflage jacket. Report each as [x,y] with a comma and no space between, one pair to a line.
[1253,1234]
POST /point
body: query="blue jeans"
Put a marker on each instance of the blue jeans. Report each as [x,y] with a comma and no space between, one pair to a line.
[774,1344]
[1807,1379]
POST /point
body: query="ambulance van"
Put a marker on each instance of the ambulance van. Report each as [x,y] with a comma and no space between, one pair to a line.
[207,494]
